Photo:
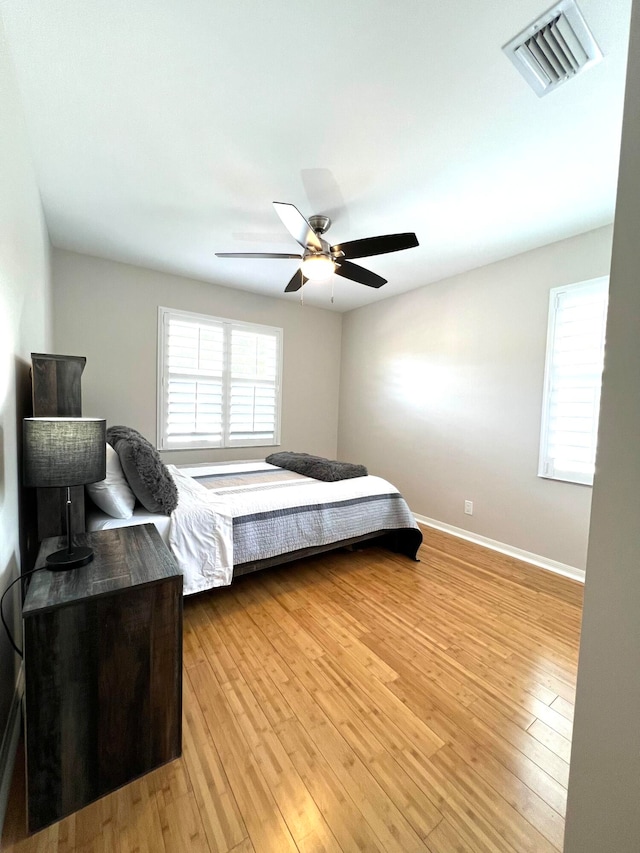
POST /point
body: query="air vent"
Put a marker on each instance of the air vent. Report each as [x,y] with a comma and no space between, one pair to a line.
[554,48]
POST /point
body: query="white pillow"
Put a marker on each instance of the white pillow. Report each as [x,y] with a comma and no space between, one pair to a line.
[113,495]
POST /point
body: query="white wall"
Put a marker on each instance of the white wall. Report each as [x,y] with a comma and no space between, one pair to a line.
[108,312]
[24,327]
[603,810]
[441,393]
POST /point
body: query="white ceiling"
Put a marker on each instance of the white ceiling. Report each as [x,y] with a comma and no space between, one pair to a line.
[162,130]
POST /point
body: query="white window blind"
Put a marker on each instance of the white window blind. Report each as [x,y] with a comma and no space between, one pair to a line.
[219,382]
[573,377]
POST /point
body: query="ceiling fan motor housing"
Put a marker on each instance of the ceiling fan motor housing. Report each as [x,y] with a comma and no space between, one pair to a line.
[320,223]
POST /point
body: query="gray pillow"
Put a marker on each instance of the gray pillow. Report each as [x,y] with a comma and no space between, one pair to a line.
[146,473]
[317,467]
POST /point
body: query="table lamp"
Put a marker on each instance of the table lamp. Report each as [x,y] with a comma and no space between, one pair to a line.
[60,453]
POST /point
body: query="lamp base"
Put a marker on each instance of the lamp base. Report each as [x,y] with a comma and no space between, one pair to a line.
[60,561]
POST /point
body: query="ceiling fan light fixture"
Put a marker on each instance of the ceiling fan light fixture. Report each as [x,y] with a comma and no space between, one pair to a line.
[317,267]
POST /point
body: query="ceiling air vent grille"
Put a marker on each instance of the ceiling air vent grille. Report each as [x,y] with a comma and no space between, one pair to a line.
[554,48]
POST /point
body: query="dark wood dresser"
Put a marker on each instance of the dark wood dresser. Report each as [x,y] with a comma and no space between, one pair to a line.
[103,670]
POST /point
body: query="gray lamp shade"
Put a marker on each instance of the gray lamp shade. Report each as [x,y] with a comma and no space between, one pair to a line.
[63,451]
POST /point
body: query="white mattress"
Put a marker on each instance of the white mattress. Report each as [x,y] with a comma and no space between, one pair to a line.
[98,520]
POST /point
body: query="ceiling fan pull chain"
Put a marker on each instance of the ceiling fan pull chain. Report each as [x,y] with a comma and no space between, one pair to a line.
[332,283]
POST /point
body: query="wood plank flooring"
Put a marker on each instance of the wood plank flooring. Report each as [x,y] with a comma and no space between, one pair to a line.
[359,702]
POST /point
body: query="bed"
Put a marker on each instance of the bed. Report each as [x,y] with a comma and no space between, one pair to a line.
[234,518]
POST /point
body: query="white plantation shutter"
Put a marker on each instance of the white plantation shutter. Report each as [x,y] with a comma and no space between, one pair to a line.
[219,382]
[253,403]
[573,377]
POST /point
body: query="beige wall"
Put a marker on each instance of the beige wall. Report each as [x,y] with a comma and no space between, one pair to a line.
[108,312]
[603,811]
[25,313]
[441,393]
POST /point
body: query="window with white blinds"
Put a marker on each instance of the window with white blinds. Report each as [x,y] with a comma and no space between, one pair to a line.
[573,376]
[219,382]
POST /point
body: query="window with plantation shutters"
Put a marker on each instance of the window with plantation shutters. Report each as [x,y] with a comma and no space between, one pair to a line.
[219,382]
[573,377]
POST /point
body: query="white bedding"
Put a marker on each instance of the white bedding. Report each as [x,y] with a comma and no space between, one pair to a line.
[199,532]
[201,535]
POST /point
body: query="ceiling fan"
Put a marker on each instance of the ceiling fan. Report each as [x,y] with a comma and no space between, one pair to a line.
[319,259]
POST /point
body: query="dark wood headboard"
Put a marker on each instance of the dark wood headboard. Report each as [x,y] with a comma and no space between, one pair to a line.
[56,393]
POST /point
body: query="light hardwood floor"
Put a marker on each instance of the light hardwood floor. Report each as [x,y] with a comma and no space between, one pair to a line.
[359,702]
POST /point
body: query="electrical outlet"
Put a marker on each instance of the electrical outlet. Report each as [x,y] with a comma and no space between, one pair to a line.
[468,507]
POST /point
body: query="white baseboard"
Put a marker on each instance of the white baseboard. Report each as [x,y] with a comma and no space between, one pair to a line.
[526,556]
[9,745]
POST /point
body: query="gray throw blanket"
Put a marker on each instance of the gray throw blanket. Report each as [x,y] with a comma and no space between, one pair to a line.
[316,466]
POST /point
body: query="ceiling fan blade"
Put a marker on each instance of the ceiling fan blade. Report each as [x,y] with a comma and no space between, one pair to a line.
[359,274]
[376,245]
[297,225]
[296,282]
[255,255]
[324,194]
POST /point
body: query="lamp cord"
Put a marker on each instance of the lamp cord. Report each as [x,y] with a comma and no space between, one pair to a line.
[6,627]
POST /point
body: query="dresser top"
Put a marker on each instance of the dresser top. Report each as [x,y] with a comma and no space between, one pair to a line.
[124,557]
